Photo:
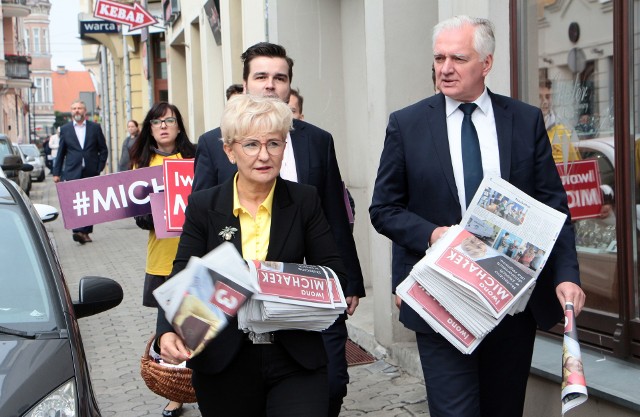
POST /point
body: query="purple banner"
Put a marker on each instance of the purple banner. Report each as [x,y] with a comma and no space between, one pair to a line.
[159,217]
[108,197]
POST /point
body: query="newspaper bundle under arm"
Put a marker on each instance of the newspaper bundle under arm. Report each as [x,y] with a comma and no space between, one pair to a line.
[574,385]
[484,268]
[199,299]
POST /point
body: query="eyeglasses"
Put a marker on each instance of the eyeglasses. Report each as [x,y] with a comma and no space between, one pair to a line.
[169,121]
[253,147]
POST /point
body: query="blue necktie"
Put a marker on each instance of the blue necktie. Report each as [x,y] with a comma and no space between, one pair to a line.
[471,155]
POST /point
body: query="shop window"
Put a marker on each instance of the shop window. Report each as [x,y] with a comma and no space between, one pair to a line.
[570,46]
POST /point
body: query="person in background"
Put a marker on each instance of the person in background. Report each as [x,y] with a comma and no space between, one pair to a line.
[559,135]
[82,153]
[233,90]
[53,144]
[275,220]
[309,158]
[423,186]
[132,129]
[295,104]
[163,136]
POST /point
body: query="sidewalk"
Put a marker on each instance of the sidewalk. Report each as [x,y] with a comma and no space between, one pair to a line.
[115,340]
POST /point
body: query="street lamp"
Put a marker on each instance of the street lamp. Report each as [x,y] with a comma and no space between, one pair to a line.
[32,110]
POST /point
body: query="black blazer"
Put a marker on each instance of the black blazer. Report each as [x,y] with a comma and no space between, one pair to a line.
[415,191]
[68,162]
[299,231]
[316,165]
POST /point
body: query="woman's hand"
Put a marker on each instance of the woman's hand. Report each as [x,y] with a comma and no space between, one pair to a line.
[172,348]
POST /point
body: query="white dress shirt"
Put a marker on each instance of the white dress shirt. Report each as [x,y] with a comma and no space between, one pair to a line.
[485,124]
[81,133]
[288,170]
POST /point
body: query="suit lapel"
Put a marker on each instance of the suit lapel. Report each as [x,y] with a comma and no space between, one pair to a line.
[300,142]
[504,130]
[282,215]
[437,125]
[221,216]
[72,134]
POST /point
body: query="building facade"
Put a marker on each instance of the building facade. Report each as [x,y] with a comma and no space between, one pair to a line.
[37,44]
[14,72]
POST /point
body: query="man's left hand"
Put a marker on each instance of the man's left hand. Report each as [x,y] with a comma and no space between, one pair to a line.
[568,291]
[352,304]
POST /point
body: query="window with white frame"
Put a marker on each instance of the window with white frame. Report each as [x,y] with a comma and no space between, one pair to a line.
[36,40]
[48,94]
[38,83]
[27,46]
[45,41]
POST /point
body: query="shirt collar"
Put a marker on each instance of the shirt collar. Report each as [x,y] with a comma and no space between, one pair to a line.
[483,102]
[84,123]
[267,204]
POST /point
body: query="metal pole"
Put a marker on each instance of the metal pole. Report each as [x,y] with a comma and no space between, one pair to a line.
[30,110]
[106,117]
[127,78]
[112,82]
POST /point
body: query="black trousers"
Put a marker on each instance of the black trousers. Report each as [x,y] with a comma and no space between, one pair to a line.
[490,382]
[263,381]
[335,343]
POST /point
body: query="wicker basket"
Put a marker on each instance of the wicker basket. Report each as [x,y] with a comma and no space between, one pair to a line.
[169,382]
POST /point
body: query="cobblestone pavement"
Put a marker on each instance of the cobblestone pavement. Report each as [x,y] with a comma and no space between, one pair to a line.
[115,340]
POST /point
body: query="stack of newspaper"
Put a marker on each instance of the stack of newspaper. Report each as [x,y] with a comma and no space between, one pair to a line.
[291,296]
[484,268]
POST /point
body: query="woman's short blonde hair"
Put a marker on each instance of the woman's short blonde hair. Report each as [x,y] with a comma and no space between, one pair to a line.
[246,115]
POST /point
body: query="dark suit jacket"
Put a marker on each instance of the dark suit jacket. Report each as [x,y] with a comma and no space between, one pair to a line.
[316,165]
[299,231]
[68,162]
[415,191]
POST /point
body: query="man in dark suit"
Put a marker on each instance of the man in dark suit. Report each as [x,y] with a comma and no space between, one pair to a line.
[309,159]
[420,190]
[82,153]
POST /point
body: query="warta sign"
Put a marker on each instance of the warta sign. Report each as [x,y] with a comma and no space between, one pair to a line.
[98,26]
[133,15]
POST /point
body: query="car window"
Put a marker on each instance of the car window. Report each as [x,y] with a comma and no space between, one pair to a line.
[30,150]
[25,297]
[5,148]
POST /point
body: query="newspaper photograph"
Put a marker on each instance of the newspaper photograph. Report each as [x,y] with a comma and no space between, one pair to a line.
[198,300]
[574,385]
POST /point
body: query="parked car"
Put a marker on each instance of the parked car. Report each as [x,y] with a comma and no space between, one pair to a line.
[43,367]
[34,157]
[13,164]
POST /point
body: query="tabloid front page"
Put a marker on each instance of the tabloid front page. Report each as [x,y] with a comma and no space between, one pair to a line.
[198,300]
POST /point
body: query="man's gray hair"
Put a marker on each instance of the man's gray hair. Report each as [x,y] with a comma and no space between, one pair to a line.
[78,101]
[484,41]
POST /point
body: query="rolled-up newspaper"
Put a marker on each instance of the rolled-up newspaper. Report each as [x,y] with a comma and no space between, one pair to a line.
[574,385]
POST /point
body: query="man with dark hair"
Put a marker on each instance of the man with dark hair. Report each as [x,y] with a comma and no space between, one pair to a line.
[295,104]
[435,154]
[234,89]
[309,158]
